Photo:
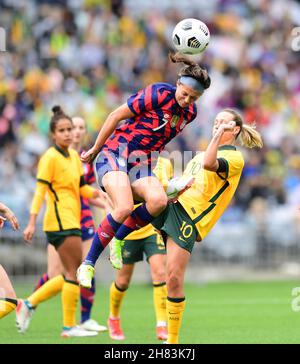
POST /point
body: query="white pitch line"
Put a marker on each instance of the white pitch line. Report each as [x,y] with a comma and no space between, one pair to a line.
[243,302]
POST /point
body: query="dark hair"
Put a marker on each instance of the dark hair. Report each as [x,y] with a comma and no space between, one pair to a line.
[191,69]
[58,114]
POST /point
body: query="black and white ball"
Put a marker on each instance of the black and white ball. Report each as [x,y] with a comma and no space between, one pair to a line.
[190,36]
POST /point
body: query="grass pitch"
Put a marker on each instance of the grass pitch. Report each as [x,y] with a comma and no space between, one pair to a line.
[248,312]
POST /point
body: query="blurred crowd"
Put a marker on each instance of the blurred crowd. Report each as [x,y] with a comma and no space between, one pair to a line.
[89,55]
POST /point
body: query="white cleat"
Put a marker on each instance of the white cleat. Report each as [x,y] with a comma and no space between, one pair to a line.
[92,325]
[177,186]
[23,315]
[85,274]
[77,331]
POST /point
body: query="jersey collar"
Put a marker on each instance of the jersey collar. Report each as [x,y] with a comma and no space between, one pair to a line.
[227,147]
[65,154]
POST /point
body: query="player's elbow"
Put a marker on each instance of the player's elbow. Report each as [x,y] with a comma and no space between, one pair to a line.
[210,165]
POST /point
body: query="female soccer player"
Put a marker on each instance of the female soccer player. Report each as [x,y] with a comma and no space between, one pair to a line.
[60,176]
[153,117]
[143,241]
[217,173]
[54,264]
[8,298]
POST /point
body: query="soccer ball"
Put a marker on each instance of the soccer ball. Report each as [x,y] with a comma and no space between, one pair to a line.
[190,36]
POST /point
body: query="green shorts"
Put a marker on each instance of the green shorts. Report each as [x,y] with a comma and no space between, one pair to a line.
[56,238]
[133,250]
[176,223]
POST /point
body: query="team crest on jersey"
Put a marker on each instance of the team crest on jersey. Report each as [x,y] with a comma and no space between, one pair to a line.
[174,121]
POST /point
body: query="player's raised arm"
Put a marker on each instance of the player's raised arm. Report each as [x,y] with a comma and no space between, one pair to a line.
[210,160]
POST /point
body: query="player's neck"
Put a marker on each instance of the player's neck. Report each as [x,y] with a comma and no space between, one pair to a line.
[76,146]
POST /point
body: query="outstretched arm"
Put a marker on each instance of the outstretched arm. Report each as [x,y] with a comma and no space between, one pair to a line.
[121,113]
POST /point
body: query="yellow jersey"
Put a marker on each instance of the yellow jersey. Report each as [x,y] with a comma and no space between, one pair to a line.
[60,178]
[164,172]
[211,192]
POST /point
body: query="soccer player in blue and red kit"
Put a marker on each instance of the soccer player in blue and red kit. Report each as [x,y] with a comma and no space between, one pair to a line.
[153,116]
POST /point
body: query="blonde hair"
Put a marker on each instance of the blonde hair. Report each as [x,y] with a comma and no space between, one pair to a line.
[248,134]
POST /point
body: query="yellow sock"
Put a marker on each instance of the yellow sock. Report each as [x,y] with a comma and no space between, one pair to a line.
[69,296]
[47,290]
[7,305]
[115,300]
[175,308]
[160,298]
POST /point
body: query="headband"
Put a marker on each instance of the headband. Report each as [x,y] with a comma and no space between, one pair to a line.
[192,83]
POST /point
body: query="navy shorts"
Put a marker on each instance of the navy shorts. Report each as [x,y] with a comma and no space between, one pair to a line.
[109,160]
[87,233]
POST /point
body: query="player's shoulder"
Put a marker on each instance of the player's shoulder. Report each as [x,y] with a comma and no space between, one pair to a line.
[230,152]
[73,153]
[49,153]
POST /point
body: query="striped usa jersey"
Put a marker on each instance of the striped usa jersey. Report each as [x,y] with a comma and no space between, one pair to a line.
[157,119]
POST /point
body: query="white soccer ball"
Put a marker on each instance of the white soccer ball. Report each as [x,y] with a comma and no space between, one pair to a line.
[190,36]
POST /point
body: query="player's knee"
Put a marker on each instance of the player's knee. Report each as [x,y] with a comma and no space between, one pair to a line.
[158,202]
[122,212]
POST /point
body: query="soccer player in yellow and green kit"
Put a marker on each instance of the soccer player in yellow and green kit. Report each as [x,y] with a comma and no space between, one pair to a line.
[60,178]
[217,173]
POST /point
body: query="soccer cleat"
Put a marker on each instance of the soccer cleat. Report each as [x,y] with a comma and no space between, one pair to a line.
[161,332]
[77,331]
[85,274]
[115,255]
[114,328]
[177,186]
[24,312]
[92,325]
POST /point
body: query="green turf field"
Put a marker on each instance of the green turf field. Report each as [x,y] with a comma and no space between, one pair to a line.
[215,313]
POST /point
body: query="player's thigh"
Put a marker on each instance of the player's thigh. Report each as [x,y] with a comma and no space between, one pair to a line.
[70,252]
[124,275]
[148,188]
[151,191]
[117,186]
[55,266]
[6,288]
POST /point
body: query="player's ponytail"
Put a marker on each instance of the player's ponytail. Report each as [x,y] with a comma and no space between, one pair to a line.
[58,114]
[191,69]
[248,134]
[250,137]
